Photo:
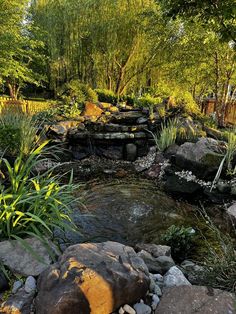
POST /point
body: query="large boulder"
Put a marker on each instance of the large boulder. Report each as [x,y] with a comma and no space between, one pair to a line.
[92,278]
[20,260]
[202,158]
[196,299]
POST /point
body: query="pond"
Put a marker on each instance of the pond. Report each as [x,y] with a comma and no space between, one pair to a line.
[127,211]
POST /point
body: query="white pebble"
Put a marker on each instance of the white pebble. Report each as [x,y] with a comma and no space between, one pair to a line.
[121,311]
[128,309]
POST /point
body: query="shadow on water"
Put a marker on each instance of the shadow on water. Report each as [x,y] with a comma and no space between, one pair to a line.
[128,212]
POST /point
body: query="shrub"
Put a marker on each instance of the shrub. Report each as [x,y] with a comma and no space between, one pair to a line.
[105,95]
[32,205]
[180,239]
[18,133]
[77,92]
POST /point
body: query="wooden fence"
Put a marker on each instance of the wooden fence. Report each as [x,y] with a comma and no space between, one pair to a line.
[209,107]
[29,107]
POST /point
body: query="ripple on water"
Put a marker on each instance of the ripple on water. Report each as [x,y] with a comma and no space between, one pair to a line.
[129,212]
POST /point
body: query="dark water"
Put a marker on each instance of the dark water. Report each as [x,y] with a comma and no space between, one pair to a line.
[130,211]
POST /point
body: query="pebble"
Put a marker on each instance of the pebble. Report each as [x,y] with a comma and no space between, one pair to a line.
[155,301]
[30,284]
[142,308]
[16,286]
[121,311]
[128,309]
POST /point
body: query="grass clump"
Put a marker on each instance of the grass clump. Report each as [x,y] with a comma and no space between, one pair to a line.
[32,204]
[167,135]
[18,133]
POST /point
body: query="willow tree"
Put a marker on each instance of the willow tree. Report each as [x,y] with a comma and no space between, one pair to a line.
[108,44]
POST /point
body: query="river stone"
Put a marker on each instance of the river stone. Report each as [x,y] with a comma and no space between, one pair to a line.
[30,284]
[202,158]
[20,260]
[196,299]
[19,303]
[93,278]
[175,277]
[154,249]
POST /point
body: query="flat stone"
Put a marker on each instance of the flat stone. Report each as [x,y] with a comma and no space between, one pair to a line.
[196,299]
[20,260]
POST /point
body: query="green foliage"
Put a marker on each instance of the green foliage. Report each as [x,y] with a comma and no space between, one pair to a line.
[167,135]
[105,95]
[32,205]
[219,260]
[180,239]
[77,92]
[18,134]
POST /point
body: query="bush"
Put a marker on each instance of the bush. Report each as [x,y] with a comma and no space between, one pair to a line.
[32,205]
[18,134]
[105,95]
[180,239]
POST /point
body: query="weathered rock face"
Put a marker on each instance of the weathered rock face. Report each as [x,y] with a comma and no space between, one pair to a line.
[21,261]
[196,299]
[203,157]
[92,278]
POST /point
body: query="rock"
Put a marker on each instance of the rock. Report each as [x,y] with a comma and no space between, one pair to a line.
[131,152]
[142,120]
[16,286]
[150,261]
[30,284]
[21,261]
[231,212]
[158,277]
[154,249]
[3,282]
[202,158]
[155,301]
[92,277]
[196,299]
[177,185]
[165,262]
[127,118]
[142,308]
[92,110]
[128,309]
[19,303]
[156,265]
[193,271]
[175,277]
